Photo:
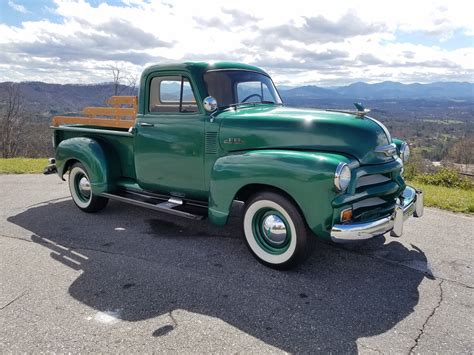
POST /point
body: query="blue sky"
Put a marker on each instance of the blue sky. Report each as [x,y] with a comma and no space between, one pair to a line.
[36,10]
[326,43]
[458,39]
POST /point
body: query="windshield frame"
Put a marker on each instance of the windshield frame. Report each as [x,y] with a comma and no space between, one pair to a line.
[222,107]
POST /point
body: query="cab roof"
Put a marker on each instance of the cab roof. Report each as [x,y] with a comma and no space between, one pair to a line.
[200,67]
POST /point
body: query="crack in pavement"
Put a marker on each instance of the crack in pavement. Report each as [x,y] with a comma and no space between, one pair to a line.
[394,262]
[175,322]
[425,323]
[14,300]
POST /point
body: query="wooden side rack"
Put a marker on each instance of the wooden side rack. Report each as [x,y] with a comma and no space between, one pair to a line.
[114,116]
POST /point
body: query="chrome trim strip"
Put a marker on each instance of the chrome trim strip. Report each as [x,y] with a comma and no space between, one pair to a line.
[382,126]
[94,130]
[412,203]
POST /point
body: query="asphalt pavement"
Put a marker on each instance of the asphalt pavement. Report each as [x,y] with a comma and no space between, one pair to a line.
[132,280]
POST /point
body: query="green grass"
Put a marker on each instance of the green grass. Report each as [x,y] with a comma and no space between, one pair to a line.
[447,198]
[22,165]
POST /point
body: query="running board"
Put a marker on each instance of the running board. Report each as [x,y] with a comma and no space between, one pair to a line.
[166,206]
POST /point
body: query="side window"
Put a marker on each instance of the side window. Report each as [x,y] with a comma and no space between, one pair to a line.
[253,91]
[171,94]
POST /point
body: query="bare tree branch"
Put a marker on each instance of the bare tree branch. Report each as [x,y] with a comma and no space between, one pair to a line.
[116,72]
[10,121]
[122,83]
[132,84]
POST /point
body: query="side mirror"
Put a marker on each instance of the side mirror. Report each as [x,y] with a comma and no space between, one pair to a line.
[210,104]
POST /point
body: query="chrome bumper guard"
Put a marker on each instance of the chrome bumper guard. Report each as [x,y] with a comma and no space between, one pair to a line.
[411,205]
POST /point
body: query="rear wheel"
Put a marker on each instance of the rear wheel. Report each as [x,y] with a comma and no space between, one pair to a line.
[275,231]
[81,191]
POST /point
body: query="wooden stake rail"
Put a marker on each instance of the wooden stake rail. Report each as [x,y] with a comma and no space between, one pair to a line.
[115,116]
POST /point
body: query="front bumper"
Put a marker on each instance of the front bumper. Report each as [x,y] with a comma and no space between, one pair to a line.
[411,204]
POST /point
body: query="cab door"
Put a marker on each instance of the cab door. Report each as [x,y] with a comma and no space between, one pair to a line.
[169,138]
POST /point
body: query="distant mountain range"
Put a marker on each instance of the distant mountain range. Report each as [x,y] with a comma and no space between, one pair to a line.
[50,99]
[386,90]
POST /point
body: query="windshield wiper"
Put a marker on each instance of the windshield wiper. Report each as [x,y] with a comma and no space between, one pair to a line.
[250,103]
[241,104]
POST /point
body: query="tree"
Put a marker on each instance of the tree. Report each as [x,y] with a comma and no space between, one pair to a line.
[10,121]
[123,82]
[116,72]
[462,152]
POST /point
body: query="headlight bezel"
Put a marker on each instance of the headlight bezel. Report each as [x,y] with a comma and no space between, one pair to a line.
[405,152]
[342,177]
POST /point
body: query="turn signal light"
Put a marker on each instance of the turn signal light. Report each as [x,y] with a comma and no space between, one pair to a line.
[346,215]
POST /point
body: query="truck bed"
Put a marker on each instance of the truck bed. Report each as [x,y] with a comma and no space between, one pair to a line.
[108,125]
[115,116]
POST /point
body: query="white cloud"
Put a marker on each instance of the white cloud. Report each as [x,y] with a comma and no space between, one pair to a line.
[318,42]
[17,7]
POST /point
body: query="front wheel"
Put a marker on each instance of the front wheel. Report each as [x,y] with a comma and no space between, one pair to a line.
[81,191]
[275,231]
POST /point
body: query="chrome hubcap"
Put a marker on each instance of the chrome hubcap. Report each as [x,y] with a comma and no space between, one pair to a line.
[274,229]
[85,187]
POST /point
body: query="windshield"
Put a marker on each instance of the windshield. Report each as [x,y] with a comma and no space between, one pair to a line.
[230,87]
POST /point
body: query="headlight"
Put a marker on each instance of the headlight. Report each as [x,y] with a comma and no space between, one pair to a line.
[404,152]
[342,176]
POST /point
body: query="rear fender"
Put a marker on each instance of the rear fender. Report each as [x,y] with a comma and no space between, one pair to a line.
[94,156]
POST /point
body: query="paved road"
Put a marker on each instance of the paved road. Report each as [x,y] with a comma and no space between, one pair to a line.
[129,279]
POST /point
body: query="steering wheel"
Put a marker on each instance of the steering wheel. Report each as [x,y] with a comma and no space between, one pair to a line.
[250,96]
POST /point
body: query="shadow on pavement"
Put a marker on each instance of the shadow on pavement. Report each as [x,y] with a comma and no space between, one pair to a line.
[141,264]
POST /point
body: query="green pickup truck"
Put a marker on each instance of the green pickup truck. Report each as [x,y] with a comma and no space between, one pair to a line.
[203,135]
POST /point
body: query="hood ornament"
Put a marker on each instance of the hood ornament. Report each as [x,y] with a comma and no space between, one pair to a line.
[360,112]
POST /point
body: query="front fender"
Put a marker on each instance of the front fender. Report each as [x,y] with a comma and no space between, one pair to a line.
[92,155]
[306,176]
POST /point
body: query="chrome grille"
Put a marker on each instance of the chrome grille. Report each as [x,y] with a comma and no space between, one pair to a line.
[369,202]
[371,207]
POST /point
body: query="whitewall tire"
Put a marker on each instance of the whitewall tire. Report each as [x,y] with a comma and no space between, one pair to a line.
[275,231]
[81,190]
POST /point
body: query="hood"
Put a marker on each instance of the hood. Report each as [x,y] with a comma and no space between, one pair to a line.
[273,127]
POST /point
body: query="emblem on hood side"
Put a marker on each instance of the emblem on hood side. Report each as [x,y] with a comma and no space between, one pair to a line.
[235,140]
[388,150]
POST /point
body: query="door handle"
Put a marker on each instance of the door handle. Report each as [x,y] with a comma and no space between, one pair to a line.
[145,124]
